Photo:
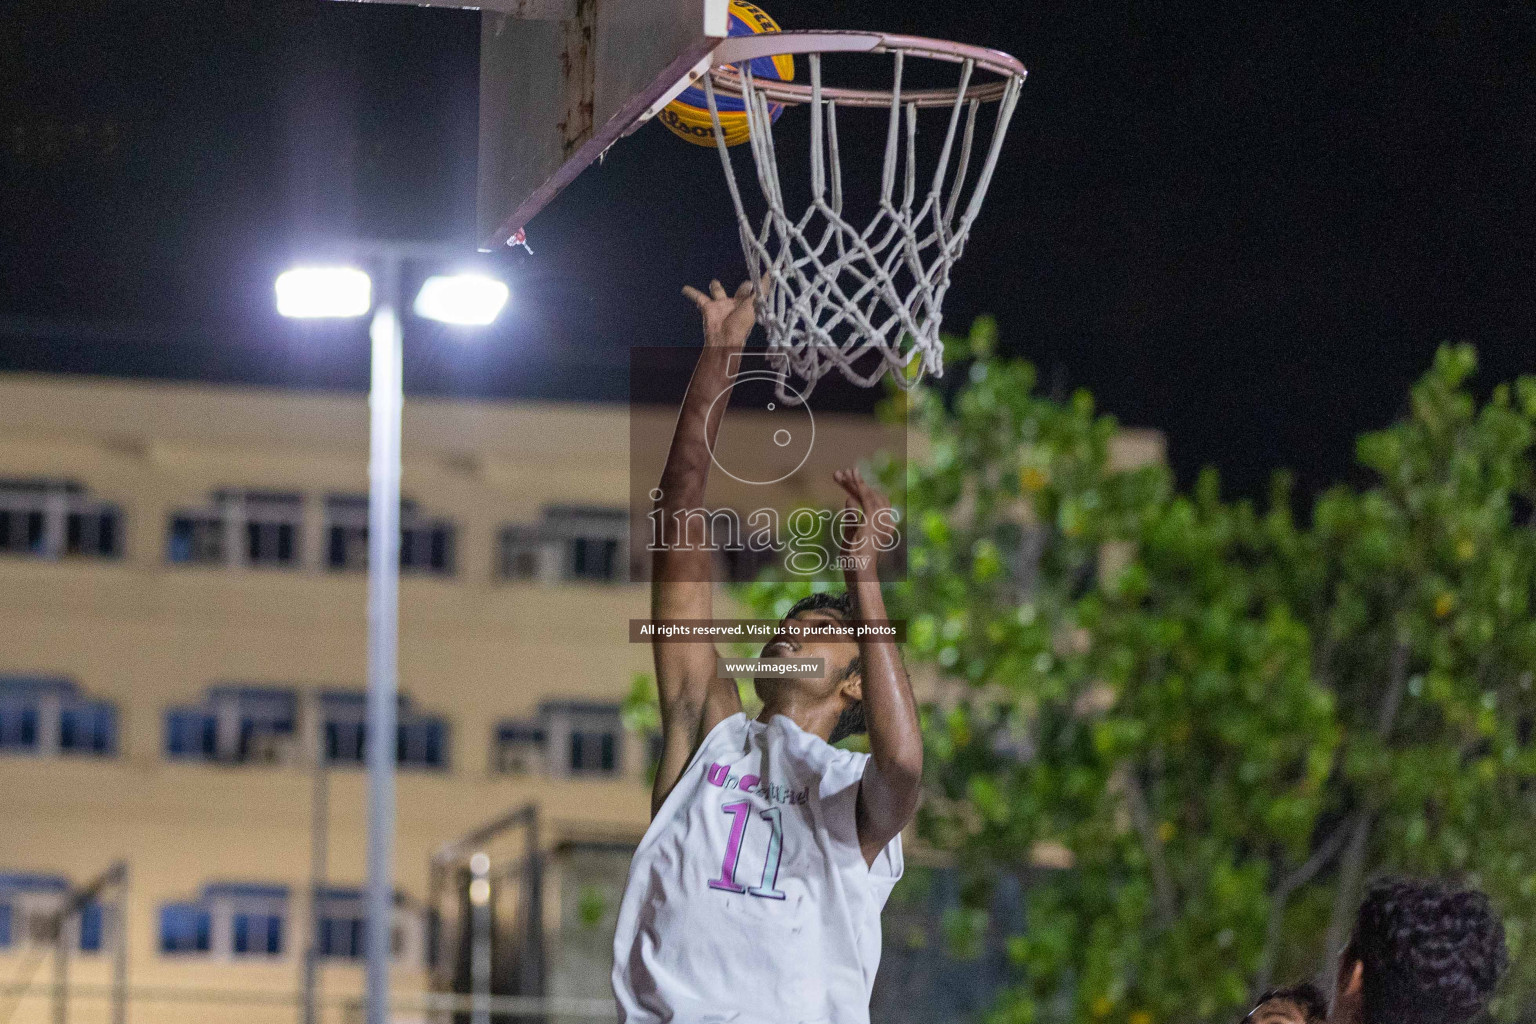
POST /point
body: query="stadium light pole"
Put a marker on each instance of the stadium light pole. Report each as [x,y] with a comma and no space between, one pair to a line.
[345,291]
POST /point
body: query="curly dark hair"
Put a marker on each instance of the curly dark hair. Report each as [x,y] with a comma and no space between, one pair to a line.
[1306,996]
[842,603]
[1431,954]
[851,722]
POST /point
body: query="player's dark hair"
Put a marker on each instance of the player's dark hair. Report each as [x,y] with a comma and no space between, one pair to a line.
[1307,996]
[1431,954]
[842,603]
[851,721]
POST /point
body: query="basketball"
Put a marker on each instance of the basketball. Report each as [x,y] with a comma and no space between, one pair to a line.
[688,115]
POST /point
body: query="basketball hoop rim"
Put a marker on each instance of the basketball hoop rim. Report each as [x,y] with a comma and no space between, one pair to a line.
[742,49]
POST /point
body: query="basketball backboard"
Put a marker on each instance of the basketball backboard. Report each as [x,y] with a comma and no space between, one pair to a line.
[562,80]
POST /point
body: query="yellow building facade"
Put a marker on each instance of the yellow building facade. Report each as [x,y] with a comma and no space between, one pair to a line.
[182,662]
[183,604]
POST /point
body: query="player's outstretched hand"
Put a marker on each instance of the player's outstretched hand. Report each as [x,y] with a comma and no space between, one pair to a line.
[859,539]
[728,319]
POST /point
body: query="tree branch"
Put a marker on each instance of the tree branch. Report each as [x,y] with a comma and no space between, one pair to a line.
[1352,867]
[1152,847]
[1282,897]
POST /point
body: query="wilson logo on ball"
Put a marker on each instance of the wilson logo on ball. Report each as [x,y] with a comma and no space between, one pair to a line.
[688,115]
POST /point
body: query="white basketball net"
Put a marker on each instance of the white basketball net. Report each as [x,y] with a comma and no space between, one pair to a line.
[836,292]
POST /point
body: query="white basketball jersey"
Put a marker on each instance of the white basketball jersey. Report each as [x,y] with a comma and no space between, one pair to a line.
[748,899]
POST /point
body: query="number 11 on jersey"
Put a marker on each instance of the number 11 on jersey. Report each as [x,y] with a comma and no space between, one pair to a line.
[768,887]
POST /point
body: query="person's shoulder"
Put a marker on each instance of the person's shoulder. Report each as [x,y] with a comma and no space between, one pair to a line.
[837,770]
[733,725]
[729,731]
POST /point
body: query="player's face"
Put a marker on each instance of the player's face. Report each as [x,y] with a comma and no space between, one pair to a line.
[834,652]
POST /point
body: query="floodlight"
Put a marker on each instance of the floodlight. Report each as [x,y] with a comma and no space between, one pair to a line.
[471,300]
[314,292]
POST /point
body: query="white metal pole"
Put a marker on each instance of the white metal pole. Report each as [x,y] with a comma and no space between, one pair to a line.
[480,948]
[319,825]
[386,396]
[119,1013]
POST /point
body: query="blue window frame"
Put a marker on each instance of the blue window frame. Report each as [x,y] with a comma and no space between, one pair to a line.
[268,715]
[421,741]
[341,937]
[89,727]
[196,539]
[23,897]
[191,733]
[185,928]
[594,752]
[344,742]
[258,934]
[234,724]
[92,921]
[251,918]
[18,725]
[48,715]
[342,926]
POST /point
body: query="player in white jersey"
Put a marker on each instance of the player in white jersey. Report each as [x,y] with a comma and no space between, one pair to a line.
[755,895]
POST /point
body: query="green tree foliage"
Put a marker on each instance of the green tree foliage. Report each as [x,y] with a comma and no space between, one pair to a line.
[1223,717]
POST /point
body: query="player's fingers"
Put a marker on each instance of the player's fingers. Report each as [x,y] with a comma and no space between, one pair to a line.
[695,296]
[864,491]
[743,290]
[717,289]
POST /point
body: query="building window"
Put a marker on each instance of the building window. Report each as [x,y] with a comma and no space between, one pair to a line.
[227,920]
[568,544]
[88,727]
[28,905]
[51,716]
[583,739]
[256,528]
[92,927]
[258,934]
[421,740]
[235,725]
[191,733]
[54,519]
[255,914]
[197,539]
[527,554]
[185,928]
[343,927]
[423,743]
[519,749]
[344,741]
[93,533]
[426,545]
[593,752]
[569,738]
[341,933]
[18,725]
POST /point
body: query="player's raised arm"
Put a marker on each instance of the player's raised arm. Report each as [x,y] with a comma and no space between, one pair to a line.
[692,699]
[893,776]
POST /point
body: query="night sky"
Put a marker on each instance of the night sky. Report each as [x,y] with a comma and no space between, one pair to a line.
[1247,225]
